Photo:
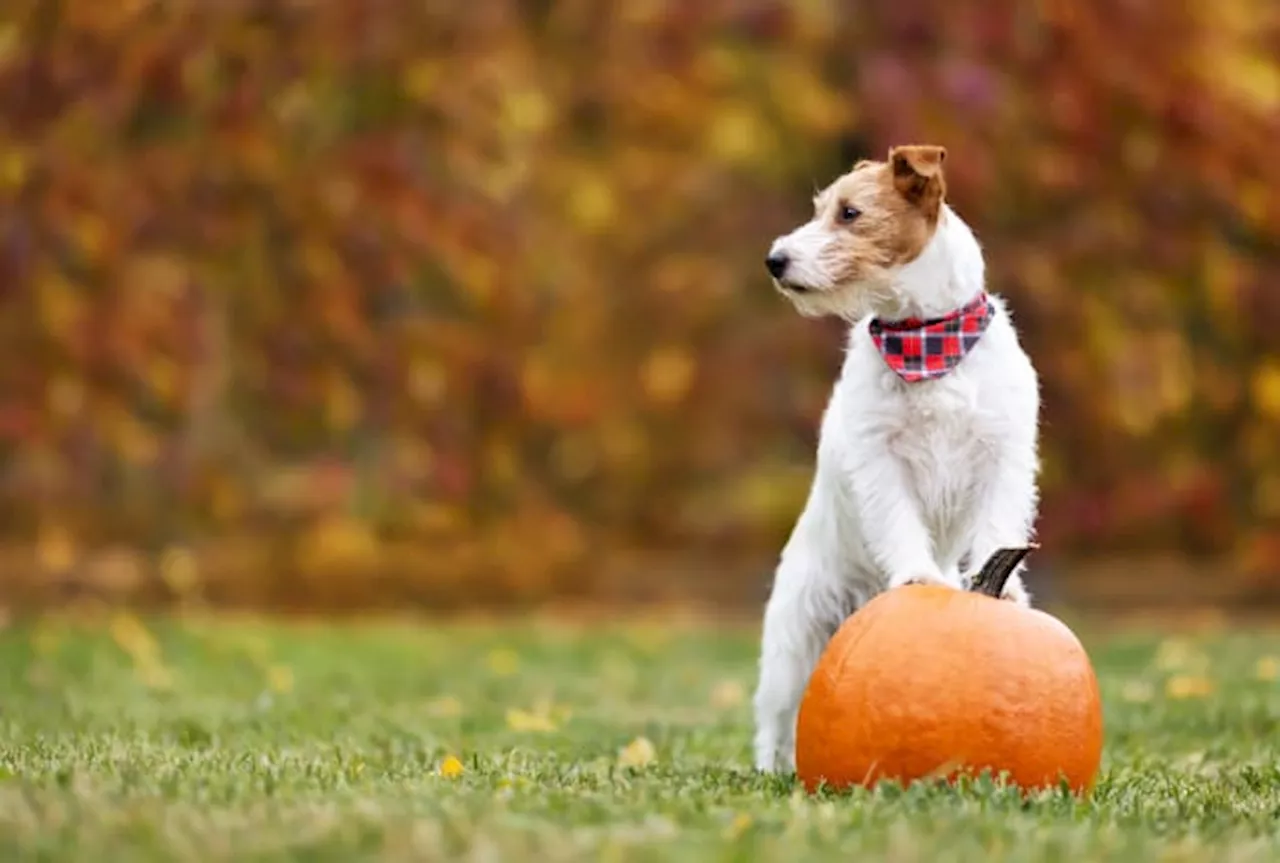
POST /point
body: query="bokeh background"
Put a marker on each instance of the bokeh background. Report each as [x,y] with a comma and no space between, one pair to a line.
[389,304]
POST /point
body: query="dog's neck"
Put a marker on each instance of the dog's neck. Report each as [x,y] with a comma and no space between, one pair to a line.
[944,277]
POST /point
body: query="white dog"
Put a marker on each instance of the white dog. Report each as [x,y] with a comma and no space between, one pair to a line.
[927,459]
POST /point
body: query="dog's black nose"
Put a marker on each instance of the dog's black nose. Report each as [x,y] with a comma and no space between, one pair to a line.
[777,264]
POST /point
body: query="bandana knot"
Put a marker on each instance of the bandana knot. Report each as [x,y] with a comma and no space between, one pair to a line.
[921,350]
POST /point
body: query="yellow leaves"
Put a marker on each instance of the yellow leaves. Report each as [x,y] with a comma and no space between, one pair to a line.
[493,224]
[451,767]
[767,494]
[46,639]
[337,542]
[226,498]
[738,135]
[1255,202]
[133,638]
[1186,671]
[530,721]
[592,203]
[1181,687]
[445,707]
[13,161]
[739,825]
[637,754]
[1137,691]
[438,519]
[1266,388]
[1177,653]
[280,678]
[503,662]
[90,233]
[543,718]
[1267,668]
[728,694]
[420,78]
[1253,77]
[1266,495]
[502,463]
[342,404]
[667,375]
[1222,281]
[136,641]
[801,92]
[134,442]
[525,110]
[55,548]
[61,307]
[179,571]
[1153,375]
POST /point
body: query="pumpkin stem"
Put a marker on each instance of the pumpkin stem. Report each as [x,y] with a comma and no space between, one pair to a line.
[993,576]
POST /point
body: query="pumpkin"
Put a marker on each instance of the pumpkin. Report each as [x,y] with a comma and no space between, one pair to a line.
[926,681]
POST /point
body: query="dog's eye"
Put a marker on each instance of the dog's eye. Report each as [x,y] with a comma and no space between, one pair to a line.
[847,213]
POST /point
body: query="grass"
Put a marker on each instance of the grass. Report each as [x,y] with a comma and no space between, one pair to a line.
[625,742]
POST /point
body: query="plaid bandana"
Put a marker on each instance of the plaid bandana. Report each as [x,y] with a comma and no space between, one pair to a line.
[923,350]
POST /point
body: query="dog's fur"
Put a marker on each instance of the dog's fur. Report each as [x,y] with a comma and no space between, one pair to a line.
[915,482]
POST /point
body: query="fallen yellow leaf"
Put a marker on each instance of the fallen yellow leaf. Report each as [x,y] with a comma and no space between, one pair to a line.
[179,571]
[134,638]
[1184,686]
[668,374]
[1266,388]
[504,662]
[451,767]
[154,674]
[445,707]
[727,693]
[738,826]
[1176,654]
[280,678]
[527,720]
[637,753]
[1267,668]
[1137,691]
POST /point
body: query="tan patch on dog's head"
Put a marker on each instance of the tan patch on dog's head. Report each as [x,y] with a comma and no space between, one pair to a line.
[865,226]
[882,214]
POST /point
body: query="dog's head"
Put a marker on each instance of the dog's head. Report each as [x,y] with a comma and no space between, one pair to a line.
[866,226]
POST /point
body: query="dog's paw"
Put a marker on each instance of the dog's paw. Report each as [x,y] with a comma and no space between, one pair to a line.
[774,753]
[934,577]
[781,761]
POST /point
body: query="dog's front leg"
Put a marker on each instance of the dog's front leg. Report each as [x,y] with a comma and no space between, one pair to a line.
[891,524]
[1006,521]
[804,609]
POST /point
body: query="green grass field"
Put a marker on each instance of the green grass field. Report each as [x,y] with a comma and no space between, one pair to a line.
[251,741]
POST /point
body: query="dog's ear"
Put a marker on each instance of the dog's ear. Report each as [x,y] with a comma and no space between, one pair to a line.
[917,173]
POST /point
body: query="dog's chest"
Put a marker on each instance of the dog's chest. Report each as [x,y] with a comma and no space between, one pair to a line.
[945,442]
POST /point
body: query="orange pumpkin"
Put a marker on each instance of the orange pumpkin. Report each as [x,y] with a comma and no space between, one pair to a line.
[928,681]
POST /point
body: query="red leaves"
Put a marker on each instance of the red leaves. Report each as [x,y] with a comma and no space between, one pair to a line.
[512,260]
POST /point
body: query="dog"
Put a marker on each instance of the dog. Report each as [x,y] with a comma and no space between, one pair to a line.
[928,455]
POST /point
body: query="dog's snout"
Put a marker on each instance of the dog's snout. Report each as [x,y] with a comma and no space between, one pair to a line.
[777,263]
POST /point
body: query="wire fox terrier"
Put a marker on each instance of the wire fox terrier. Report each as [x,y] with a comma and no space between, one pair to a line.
[927,457]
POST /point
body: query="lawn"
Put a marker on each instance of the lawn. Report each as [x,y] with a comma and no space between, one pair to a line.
[610,741]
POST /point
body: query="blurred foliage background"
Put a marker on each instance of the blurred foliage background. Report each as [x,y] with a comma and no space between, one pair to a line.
[379,302]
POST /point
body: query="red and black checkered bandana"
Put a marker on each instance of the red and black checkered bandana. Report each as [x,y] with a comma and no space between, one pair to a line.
[921,350]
